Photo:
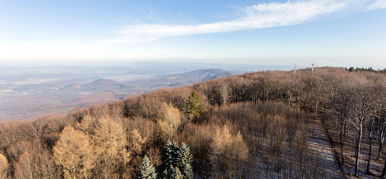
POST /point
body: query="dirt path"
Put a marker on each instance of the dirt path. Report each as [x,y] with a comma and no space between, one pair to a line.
[320,145]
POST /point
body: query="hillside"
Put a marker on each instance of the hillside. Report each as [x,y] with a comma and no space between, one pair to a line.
[33,95]
[270,124]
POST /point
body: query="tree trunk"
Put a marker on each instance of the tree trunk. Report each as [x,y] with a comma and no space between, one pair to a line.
[381,139]
[357,150]
[345,129]
[384,170]
[341,142]
[369,157]
[316,108]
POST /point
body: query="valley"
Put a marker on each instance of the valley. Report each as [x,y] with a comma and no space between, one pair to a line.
[58,90]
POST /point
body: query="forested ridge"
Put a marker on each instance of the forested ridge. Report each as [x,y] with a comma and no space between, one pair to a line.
[255,125]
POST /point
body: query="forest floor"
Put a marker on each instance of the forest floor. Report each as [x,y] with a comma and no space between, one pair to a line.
[319,144]
[349,153]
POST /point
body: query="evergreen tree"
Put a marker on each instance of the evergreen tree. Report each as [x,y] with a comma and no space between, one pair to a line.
[185,159]
[193,107]
[146,170]
[169,156]
[178,174]
[172,173]
[177,161]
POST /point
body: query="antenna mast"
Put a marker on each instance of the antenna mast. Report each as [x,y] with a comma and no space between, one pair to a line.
[295,69]
[313,66]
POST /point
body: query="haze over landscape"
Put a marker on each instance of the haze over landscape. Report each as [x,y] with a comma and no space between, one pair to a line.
[173,89]
[330,32]
[27,92]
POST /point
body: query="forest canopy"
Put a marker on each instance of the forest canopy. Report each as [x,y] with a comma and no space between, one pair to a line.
[247,126]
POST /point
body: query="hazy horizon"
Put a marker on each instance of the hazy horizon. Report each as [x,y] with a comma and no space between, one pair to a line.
[302,32]
[113,63]
[28,91]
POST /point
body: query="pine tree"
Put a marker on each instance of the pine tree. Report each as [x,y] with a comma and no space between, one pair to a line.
[185,159]
[178,174]
[193,107]
[177,161]
[169,157]
[172,173]
[146,170]
[187,171]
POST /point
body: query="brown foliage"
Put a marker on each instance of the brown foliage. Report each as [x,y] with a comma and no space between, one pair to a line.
[136,142]
[251,123]
[3,166]
[170,121]
[142,106]
[109,141]
[227,150]
[74,153]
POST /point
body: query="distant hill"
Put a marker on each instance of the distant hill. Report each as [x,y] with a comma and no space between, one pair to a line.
[170,80]
[97,85]
[189,78]
[206,74]
[62,96]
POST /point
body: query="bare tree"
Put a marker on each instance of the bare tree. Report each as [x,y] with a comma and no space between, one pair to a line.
[35,161]
[170,121]
[370,129]
[340,105]
[362,103]
[381,126]
[227,151]
[381,132]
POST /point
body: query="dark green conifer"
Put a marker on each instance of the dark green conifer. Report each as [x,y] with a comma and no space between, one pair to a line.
[169,156]
[185,159]
[146,169]
[172,173]
[193,107]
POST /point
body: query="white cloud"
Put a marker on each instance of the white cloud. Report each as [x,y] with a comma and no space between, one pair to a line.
[263,15]
[380,4]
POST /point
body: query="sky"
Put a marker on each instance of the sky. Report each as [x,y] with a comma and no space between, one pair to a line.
[276,32]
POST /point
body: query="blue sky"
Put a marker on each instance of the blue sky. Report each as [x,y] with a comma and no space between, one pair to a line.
[328,32]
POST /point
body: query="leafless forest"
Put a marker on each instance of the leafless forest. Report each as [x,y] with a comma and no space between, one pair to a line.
[271,124]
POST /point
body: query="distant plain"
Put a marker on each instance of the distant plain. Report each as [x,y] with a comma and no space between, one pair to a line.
[28,92]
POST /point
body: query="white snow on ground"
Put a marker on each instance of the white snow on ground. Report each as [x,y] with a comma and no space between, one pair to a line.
[319,144]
